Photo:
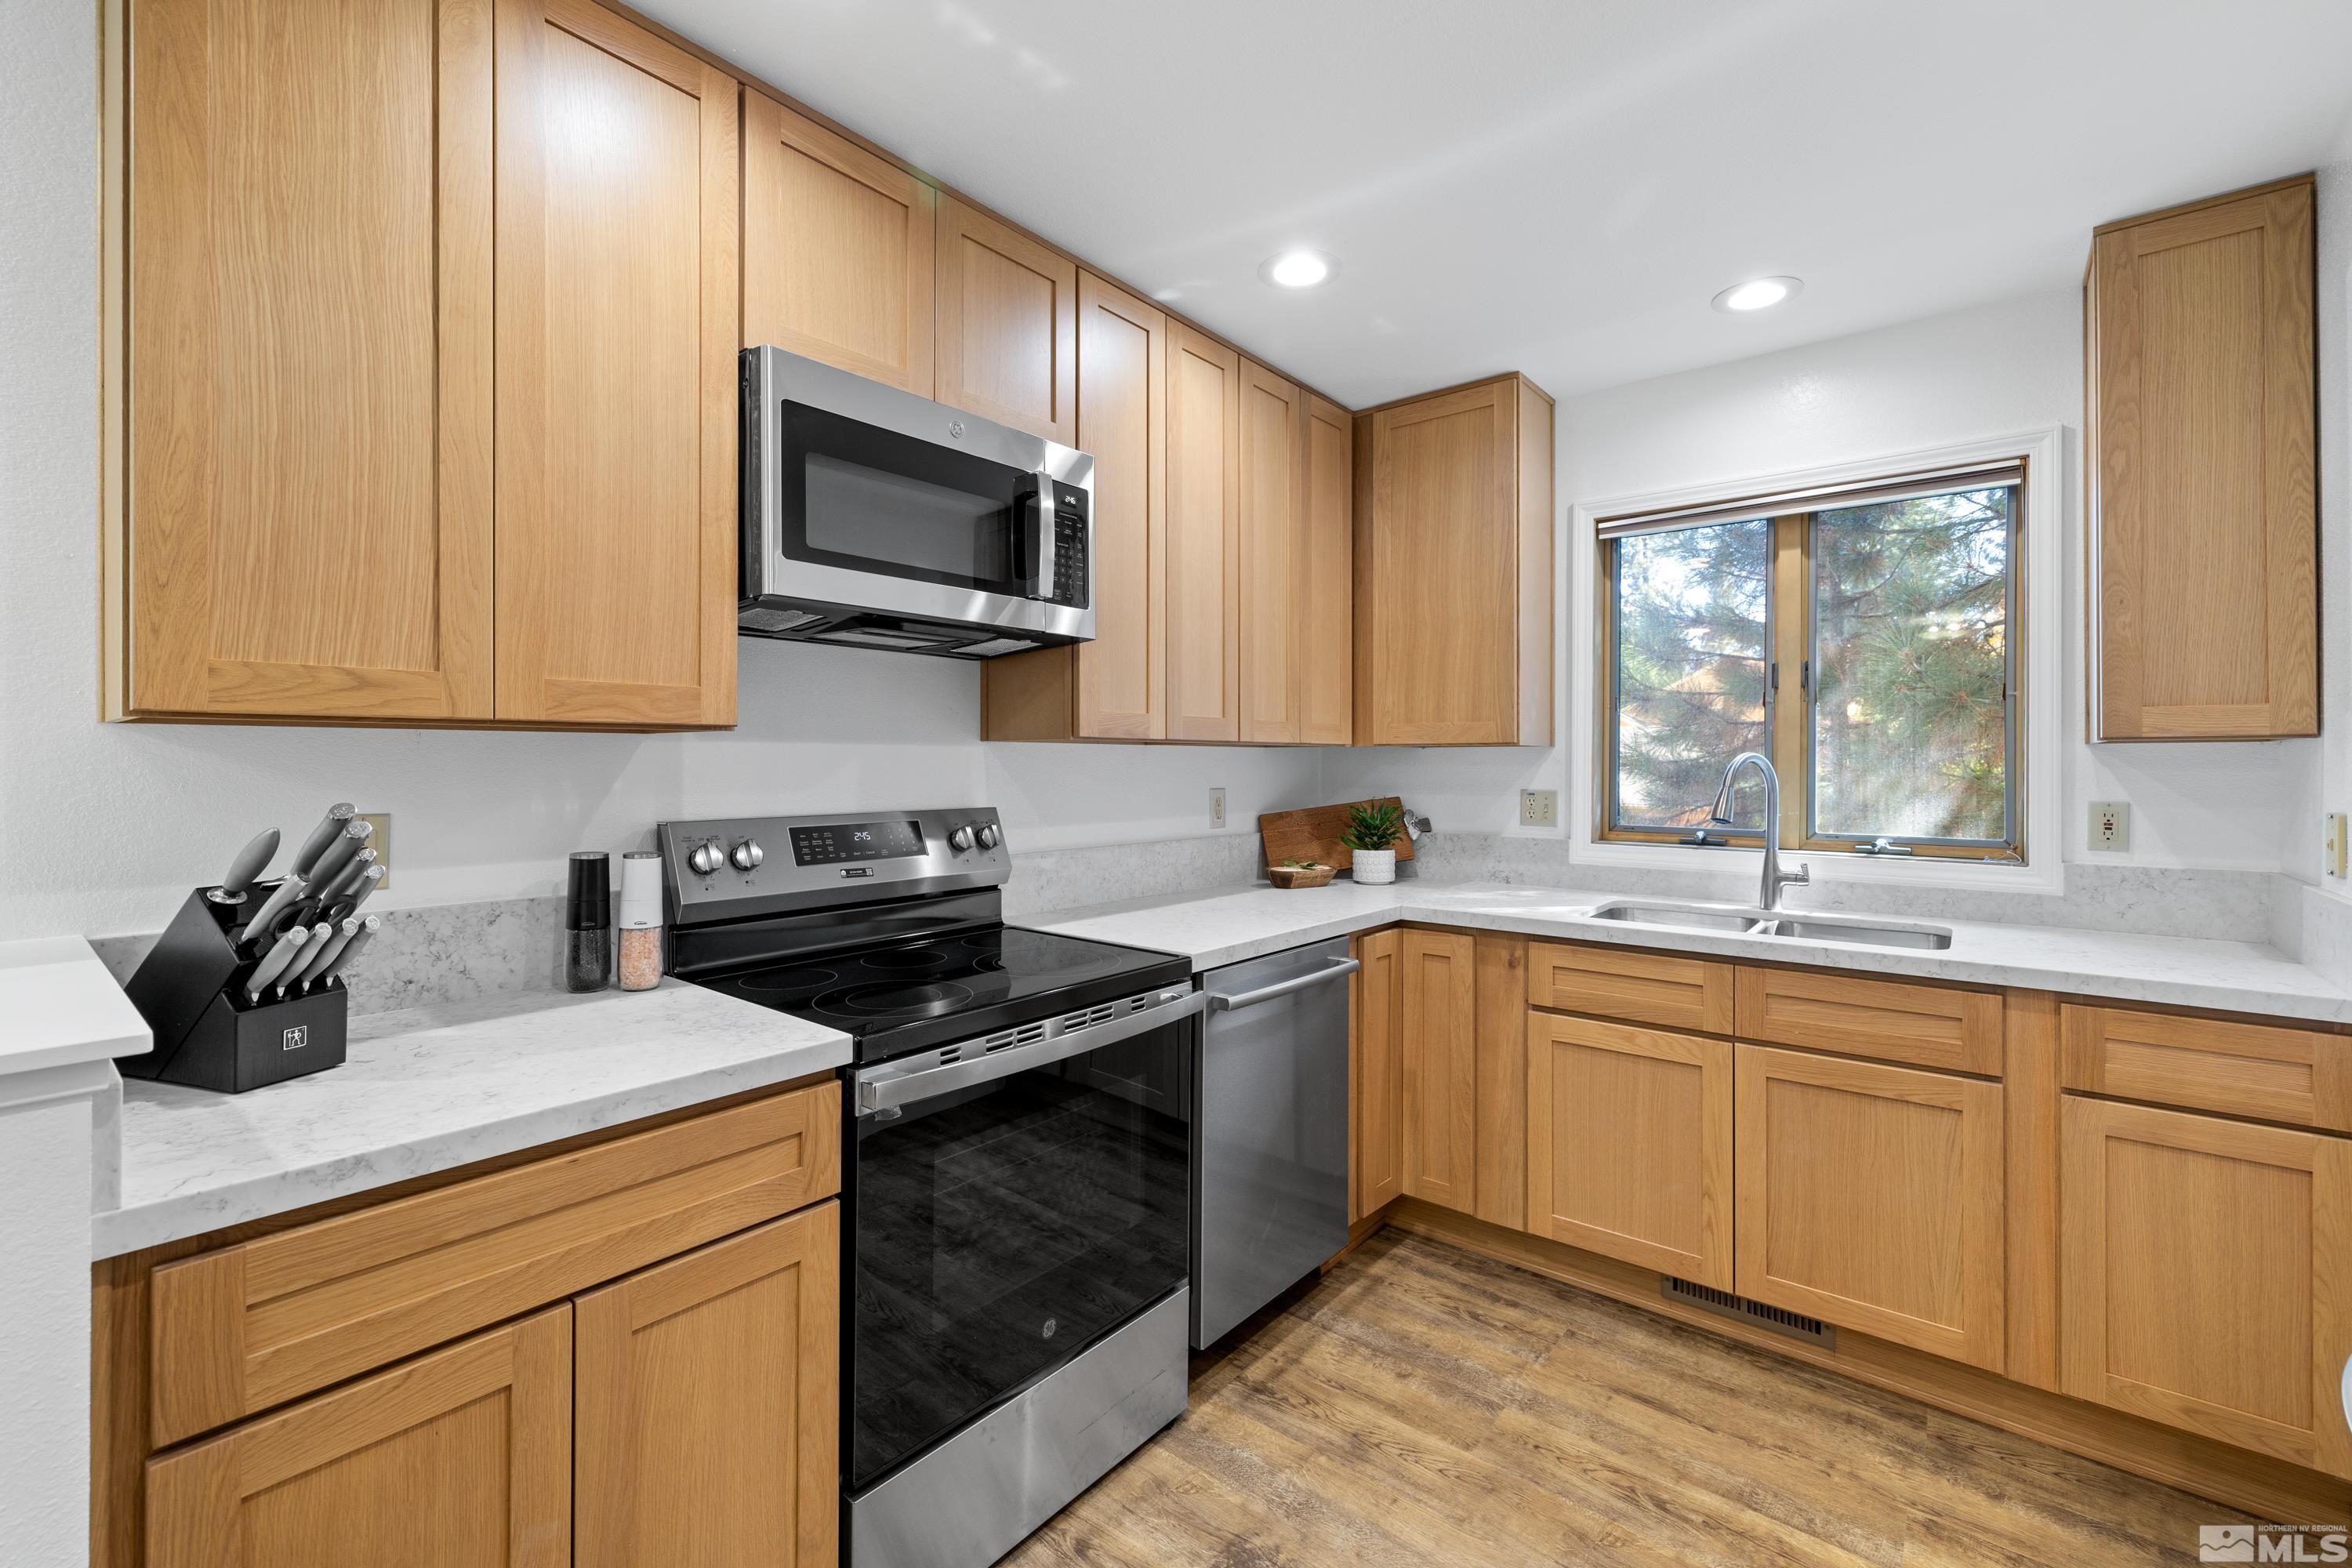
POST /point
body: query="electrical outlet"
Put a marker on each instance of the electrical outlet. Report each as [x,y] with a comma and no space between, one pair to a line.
[1217,806]
[2110,824]
[381,842]
[2335,844]
[1538,807]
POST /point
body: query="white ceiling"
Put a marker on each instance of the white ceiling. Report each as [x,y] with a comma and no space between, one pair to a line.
[1561,187]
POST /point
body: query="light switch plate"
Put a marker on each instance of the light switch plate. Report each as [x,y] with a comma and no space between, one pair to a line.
[1538,807]
[1217,806]
[2110,824]
[2335,844]
[381,842]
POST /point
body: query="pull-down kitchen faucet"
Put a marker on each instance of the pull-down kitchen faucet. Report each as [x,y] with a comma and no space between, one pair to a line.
[1775,878]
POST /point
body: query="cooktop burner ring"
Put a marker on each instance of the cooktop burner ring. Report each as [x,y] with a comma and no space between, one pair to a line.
[923,999]
[807,977]
[904,958]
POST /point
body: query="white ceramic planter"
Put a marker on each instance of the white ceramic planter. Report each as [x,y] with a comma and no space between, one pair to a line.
[1375,866]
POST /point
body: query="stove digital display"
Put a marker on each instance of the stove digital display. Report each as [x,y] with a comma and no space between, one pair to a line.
[837,843]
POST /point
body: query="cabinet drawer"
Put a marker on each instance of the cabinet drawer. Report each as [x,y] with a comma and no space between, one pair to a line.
[249,1326]
[1925,1025]
[2239,1069]
[1658,989]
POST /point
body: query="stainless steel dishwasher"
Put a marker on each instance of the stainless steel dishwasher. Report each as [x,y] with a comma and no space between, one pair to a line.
[1269,1131]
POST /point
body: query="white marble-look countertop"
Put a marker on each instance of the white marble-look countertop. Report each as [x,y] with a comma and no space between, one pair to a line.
[62,1006]
[2185,971]
[429,1089]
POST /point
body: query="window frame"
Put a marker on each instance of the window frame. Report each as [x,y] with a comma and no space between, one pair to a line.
[1790,641]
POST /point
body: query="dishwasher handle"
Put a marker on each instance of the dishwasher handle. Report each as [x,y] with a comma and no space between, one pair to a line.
[1334,970]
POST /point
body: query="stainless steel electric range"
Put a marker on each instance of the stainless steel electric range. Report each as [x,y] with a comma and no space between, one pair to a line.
[1016,1162]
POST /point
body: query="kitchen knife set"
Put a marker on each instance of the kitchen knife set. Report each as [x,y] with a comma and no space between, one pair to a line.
[244,987]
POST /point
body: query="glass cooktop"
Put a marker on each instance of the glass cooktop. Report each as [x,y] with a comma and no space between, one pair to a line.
[913,995]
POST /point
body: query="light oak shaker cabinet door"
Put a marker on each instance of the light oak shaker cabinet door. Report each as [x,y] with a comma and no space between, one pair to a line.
[1204,553]
[838,249]
[618,321]
[1871,1196]
[1123,424]
[1630,1144]
[1273,489]
[1375,1076]
[1436,1018]
[460,1457]
[708,1408]
[1326,595]
[1007,324]
[308,532]
[2205,1277]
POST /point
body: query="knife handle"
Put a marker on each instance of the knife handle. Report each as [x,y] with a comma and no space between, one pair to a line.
[337,816]
[327,939]
[250,862]
[274,964]
[281,899]
[341,884]
[349,904]
[339,850]
[337,965]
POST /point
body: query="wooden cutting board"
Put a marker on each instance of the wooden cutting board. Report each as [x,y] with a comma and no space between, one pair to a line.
[1314,835]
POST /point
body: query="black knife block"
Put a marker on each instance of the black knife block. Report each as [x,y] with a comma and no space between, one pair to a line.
[191,990]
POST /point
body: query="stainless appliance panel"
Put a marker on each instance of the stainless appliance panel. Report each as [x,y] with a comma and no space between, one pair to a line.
[780,877]
[976,1495]
[1270,1136]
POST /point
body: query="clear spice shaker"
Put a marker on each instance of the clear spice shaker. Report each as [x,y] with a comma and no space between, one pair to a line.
[641,920]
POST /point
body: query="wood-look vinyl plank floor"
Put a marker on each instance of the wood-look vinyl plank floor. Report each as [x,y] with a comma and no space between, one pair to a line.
[1423,1408]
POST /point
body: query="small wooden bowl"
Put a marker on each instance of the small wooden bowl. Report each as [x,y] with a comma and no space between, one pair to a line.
[1300,876]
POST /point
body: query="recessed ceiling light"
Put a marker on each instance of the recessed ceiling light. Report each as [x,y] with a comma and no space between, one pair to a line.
[1299,269]
[1758,294]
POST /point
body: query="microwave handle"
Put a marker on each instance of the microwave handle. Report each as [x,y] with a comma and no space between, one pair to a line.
[1036,568]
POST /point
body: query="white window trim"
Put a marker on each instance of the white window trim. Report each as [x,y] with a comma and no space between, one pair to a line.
[2049,522]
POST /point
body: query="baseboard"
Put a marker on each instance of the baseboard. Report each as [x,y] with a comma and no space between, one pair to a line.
[2270,1489]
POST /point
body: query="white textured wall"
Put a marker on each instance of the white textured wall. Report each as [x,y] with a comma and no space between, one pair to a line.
[1944,379]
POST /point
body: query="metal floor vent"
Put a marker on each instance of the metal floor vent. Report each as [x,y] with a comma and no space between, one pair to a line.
[1739,1308]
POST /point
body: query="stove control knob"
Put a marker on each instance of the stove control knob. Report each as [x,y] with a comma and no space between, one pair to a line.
[747,854]
[960,839]
[706,857]
[989,837]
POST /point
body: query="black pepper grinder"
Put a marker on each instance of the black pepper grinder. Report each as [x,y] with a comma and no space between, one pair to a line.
[588,923]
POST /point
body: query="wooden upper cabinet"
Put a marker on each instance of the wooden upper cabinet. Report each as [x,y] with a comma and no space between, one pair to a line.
[1274,494]
[2203,472]
[301,522]
[1204,554]
[1437,1006]
[617,329]
[2203,1275]
[1326,591]
[708,1405]
[1116,687]
[1453,568]
[460,1457]
[838,248]
[1007,325]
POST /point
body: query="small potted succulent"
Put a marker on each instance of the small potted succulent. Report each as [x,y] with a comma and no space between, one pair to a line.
[1373,828]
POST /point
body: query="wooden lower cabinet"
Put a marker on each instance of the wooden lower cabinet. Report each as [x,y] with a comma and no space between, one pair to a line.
[1437,1018]
[1871,1196]
[1375,1076]
[460,1458]
[2206,1275]
[708,1416]
[1630,1144]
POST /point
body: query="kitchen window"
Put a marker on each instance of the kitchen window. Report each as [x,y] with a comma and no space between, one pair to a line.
[1862,638]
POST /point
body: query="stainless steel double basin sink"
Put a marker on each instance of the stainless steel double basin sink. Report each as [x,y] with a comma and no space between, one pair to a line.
[1742,921]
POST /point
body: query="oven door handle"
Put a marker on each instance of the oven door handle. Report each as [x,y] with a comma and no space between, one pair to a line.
[888,1090]
[1323,976]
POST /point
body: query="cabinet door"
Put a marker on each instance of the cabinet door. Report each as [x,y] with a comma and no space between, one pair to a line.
[1008,325]
[2205,1275]
[1871,1196]
[1273,489]
[461,1457]
[309,361]
[1326,591]
[1437,1022]
[838,248]
[1442,584]
[1204,651]
[1630,1144]
[1122,690]
[708,1414]
[617,329]
[1375,1077]
[2202,412]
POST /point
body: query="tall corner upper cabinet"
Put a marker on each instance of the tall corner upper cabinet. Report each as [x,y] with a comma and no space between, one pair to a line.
[1007,325]
[323,227]
[2201,470]
[1453,568]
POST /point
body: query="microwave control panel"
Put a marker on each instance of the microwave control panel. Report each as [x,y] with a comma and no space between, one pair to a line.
[1071,581]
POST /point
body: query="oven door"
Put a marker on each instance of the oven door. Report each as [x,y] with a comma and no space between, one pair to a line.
[1005,1213]
[873,499]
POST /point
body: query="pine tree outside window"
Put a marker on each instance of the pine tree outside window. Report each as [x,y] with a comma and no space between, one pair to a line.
[1862,638]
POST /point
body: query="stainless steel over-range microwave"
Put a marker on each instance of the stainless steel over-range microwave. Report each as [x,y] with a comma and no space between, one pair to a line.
[873,518]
